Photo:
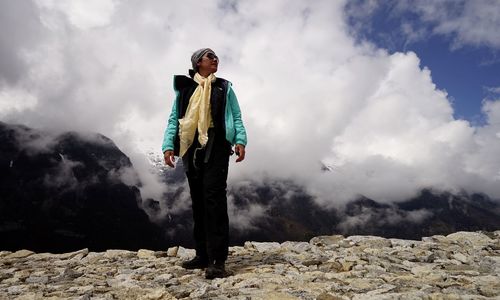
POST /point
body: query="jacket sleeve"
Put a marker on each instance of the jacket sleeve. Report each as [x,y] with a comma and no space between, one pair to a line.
[171,130]
[241,134]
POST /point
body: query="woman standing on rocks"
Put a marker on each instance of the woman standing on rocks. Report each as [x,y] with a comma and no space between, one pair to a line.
[204,124]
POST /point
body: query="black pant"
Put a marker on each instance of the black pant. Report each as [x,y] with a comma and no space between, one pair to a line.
[207,183]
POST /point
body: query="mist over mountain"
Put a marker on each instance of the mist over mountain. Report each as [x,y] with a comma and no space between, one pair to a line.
[61,192]
[64,192]
[281,210]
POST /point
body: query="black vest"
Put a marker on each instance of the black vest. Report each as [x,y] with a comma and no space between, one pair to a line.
[185,86]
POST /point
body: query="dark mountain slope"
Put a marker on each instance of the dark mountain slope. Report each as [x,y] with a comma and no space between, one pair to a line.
[67,192]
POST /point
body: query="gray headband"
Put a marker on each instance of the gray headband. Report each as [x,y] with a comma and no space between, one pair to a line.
[197,55]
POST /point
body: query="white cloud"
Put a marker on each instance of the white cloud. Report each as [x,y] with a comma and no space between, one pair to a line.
[309,94]
[81,14]
[15,100]
[469,22]
[493,90]
[465,22]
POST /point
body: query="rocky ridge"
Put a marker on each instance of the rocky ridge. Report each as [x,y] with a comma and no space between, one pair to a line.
[462,265]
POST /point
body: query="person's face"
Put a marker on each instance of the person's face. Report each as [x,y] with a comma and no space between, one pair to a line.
[208,64]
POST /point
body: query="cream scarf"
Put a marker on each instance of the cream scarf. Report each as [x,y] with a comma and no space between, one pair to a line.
[197,114]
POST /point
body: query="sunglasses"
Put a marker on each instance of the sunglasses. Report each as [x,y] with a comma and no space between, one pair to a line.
[212,56]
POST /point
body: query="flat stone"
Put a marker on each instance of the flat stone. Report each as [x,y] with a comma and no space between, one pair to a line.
[422,270]
[313,262]
[361,285]
[475,238]
[326,240]
[404,243]
[80,253]
[460,257]
[37,279]
[436,239]
[297,247]
[81,289]
[369,241]
[19,254]
[4,253]
[119,254]
[16,289]
[263,246]
[157,294]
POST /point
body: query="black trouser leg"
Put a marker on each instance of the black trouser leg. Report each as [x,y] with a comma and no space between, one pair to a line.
[198,215]
[214,191]
[207,184]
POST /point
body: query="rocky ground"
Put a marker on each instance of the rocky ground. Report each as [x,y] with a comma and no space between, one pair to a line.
[462,265]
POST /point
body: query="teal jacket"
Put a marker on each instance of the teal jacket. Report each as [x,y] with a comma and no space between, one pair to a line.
[233,123]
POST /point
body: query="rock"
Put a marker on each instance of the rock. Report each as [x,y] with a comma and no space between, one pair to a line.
[263,246]
[19,254]
[163,278]
[435,239]
[471,238]
[185,254]
[404,243]
[157,294]
[146,254]
[67,274]
[81,289]
[4,253]
[422,270]
[326,240]
[361,285]
[489,285]
[123,281]
[76,254]
[461,266]
[313,262]
[16,289]
[37,279]
[369,241]
[297,247]
[347,265]
[172,252]
[119,254]
[328,296]
[460,257]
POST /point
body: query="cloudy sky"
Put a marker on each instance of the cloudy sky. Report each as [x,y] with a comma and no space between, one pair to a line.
[391,96]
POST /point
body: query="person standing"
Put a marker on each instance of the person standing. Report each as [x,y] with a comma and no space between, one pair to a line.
[204,124]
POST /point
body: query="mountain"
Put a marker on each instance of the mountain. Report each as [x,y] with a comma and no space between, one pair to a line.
[288,213]
[70,191]
[63,192]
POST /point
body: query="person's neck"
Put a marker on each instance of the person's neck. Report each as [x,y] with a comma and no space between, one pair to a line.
[204,74]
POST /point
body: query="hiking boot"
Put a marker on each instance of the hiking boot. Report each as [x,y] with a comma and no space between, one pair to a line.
[197,262]
[216,270]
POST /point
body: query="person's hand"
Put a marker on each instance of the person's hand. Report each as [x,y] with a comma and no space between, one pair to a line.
[240,152]
[169,158]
